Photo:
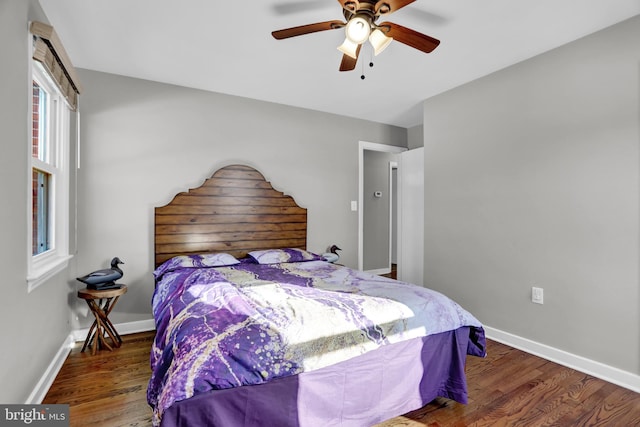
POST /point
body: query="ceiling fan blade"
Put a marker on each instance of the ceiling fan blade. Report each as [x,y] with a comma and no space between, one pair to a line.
[389,6]
[348,63]
[307,29]
[350,5]
[409,37]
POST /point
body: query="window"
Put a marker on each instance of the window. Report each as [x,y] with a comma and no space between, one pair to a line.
[53,94]
[49,179]
[42,171]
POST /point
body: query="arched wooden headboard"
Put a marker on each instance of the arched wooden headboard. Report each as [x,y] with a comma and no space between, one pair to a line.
[235,211]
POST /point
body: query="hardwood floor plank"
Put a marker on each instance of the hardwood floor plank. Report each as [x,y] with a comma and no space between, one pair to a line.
[508,388]
[108,389]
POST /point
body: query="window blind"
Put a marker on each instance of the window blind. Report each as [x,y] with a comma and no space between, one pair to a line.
[48,50]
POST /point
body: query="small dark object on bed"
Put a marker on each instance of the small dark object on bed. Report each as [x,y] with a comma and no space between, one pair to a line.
[104,279]
[332,255]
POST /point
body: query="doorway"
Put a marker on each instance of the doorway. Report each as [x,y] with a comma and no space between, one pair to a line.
[379,203]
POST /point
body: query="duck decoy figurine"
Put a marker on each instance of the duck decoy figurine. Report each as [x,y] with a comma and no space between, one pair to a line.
[104,279]
[332,255]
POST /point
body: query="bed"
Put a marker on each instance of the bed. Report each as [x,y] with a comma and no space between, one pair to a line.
[255,330]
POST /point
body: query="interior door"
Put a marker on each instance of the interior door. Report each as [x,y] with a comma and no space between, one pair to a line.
[411,217]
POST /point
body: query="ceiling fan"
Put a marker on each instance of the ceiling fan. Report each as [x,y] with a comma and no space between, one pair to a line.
[361,16]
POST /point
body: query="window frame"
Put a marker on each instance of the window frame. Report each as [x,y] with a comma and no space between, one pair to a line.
[42,266]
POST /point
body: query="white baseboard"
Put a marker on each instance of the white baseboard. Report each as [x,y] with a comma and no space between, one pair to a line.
[135,327]
[122,328]
[379,271]
[599,370]
[41,389]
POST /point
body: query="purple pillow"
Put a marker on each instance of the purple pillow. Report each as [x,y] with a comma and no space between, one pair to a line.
[195,261]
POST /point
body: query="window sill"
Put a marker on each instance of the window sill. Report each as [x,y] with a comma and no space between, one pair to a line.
[45,272]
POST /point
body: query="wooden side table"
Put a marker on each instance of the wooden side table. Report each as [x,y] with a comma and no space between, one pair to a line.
[101,302]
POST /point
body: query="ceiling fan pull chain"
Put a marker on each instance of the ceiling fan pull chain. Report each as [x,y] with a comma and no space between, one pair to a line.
[370,64]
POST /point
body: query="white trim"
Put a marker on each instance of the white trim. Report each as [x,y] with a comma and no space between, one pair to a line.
[42,387]
[136,327]
[392,233]
[126,328]
[600,370]
[43,266]
[41,275]
[373,146]
[379,271]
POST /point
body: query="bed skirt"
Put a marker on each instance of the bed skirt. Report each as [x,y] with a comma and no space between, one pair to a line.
[359,392]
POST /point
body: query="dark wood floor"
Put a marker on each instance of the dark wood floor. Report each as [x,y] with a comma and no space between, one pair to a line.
[393,274]
[109,388]
[508,388]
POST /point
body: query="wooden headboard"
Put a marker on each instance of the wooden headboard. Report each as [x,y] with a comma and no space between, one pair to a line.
[235,211]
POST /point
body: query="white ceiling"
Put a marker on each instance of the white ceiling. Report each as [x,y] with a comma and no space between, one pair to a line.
[227,47]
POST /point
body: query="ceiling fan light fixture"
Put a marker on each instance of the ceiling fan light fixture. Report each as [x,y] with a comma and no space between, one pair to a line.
[359,25]
[358,29]
[349,48]
[379,41]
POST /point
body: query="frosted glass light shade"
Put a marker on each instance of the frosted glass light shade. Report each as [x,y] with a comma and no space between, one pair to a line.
[379,41]
[349,48]
[358,29]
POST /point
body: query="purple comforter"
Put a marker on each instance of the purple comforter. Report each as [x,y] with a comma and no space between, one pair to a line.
[249,323]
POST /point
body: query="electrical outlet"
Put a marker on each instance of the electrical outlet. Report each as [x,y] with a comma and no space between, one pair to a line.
[537,295]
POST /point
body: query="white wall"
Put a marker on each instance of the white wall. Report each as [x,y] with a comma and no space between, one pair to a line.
[532,178]
[142,142]
[411,183]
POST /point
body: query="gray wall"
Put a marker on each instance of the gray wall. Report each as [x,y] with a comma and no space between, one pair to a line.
[375,221]
[531,179]
[415,137]
[142,142]
[33,326]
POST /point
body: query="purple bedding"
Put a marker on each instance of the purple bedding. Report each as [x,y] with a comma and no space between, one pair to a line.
[237,326]
[359,392]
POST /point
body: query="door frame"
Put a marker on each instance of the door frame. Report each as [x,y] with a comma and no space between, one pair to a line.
[373,146]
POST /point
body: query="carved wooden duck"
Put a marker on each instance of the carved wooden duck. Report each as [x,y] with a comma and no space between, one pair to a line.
[332,255]
[104,279]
